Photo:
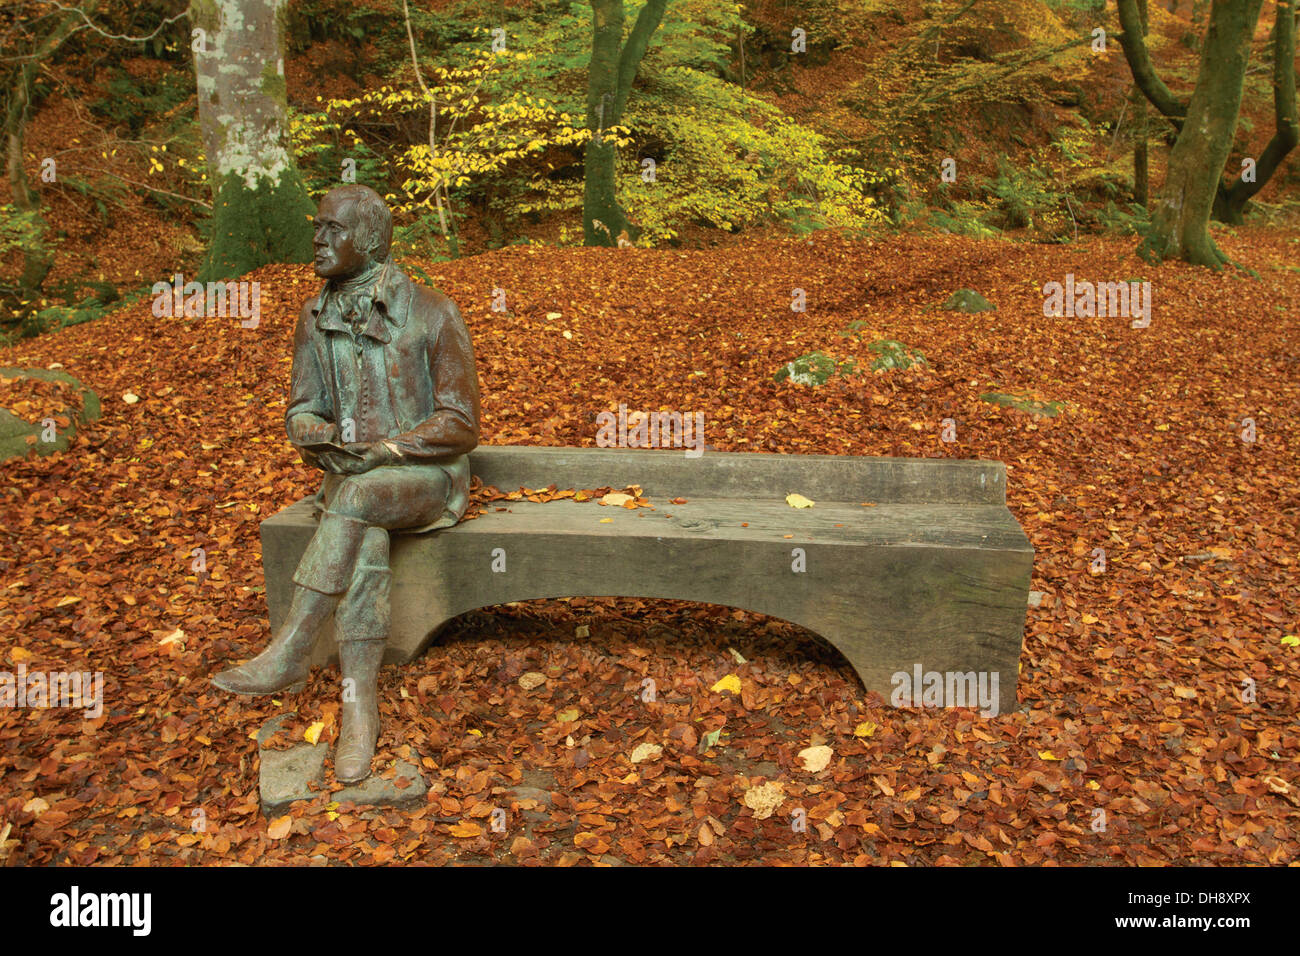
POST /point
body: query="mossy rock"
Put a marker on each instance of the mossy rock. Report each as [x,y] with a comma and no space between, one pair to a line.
[11,426]
[891,354]
[813,369]
[1022,404]
[968,300]
[14,431]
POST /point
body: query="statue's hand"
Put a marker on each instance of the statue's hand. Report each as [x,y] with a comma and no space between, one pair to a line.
[310,434]
[373,455]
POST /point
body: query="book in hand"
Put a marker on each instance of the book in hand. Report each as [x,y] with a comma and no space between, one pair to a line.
[319,446]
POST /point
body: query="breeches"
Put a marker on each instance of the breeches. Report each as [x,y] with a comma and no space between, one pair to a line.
[348,554]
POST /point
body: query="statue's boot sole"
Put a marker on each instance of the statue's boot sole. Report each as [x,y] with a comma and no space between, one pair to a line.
[293,687]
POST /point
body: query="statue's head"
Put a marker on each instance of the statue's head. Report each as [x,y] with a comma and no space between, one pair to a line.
[353,230]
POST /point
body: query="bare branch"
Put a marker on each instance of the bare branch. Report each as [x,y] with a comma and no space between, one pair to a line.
[113,36]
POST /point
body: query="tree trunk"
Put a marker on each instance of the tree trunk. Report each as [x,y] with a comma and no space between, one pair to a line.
[1141,128]
[1180,222]
[261,211]
[1141,158]
[37,259]
[1133,25]
[1230,204]
[613,68]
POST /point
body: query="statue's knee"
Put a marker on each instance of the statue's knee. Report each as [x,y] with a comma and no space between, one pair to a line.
[349,499]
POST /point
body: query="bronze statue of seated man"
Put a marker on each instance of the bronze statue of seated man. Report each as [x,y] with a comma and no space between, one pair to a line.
[384,399]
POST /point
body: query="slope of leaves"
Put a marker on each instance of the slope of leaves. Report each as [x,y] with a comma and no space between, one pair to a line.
[1132,679]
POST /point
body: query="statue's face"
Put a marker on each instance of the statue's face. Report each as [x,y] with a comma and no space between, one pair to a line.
[337,255]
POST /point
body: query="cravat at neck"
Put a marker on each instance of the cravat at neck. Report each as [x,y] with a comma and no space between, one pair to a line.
[356,296]
[364,281]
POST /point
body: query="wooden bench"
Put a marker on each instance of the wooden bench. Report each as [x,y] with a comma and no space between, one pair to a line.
[933,574]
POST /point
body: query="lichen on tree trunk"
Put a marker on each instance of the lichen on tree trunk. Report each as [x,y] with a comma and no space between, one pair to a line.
[261,210]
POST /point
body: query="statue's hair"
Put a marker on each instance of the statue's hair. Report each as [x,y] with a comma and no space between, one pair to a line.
[374,220]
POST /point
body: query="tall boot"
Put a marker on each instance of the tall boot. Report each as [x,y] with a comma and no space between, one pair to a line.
[359,661]
[321,578]
[284,662]
[362,626]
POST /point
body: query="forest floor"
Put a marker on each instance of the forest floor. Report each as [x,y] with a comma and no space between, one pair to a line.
[1157,696]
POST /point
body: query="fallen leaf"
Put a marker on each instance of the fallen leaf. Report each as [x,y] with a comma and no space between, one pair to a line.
[279,828]
[709,740]
[815,759]
[531,680]
[764,799]
[646,751]
[312,733]
[729,683]
[798,501]
[704,834]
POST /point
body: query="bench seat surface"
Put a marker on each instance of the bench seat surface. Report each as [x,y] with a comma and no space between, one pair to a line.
[827,522]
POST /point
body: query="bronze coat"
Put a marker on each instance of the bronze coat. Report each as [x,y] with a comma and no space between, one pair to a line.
[408,376]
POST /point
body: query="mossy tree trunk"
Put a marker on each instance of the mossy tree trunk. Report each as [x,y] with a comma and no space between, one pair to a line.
[261,211]
[1181,218]
[613,68]
[1141,131]
[16,83]
[37,260]
[1230,204]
